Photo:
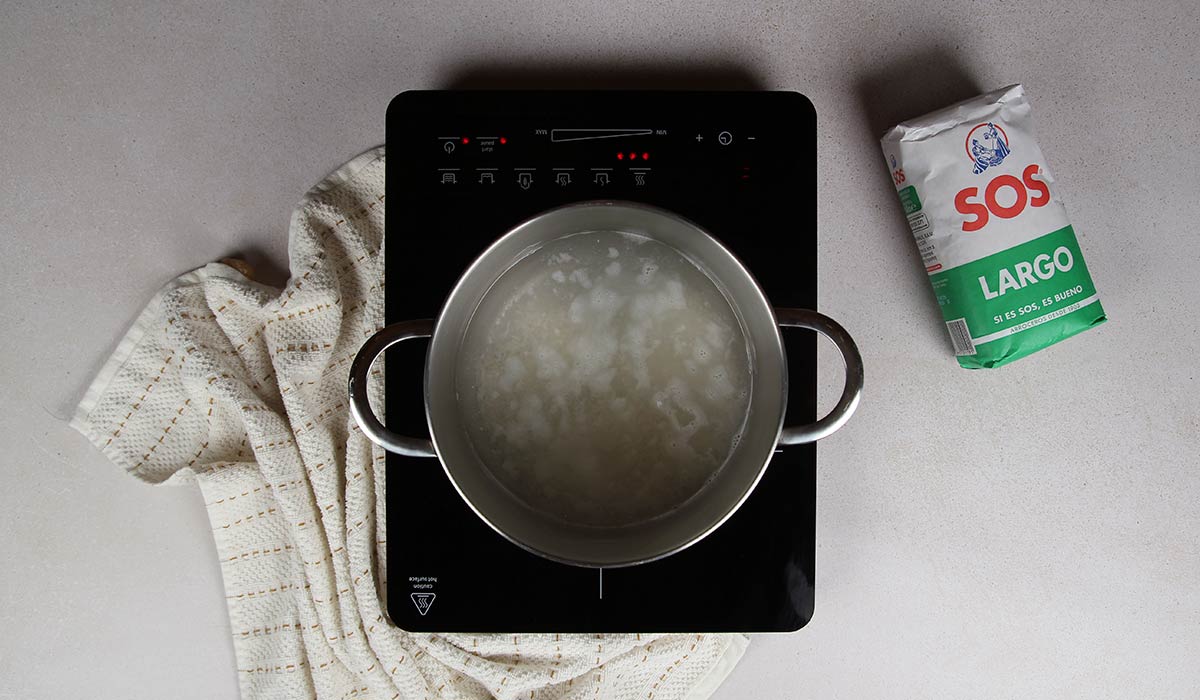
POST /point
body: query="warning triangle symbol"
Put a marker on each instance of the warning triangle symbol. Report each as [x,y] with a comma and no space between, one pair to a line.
[423,601]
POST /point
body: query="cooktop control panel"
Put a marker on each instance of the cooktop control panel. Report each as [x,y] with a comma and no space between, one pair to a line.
[593,161]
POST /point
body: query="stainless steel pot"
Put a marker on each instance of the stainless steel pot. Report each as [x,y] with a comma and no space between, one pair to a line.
[670,532]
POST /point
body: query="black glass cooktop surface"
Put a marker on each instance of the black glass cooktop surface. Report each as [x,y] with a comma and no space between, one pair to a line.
[465,167]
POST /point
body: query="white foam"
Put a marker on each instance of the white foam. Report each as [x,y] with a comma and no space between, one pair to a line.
[580,276]
[513,371]
[608,394]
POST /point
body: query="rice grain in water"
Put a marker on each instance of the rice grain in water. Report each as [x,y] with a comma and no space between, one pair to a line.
[604,379]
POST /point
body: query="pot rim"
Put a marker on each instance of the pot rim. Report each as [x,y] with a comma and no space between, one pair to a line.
[776,348]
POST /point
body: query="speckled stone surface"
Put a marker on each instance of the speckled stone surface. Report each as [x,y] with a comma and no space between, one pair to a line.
[1027,532]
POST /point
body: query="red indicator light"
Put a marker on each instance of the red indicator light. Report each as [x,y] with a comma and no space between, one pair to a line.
[645,155]
[466,140]
[632,156]
[503,140]
[620,156]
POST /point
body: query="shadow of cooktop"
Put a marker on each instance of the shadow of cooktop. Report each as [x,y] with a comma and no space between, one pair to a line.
[716,74]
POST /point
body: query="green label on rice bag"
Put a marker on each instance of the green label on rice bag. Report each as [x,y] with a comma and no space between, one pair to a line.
[1014,302]
[909,200]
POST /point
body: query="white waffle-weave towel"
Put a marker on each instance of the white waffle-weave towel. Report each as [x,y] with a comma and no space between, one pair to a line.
[241,388]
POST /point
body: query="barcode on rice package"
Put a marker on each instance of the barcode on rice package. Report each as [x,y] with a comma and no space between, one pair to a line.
[960,337]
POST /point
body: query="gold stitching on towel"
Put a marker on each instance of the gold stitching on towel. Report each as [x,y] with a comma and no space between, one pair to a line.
[260,553]
[282,486]
[166,431]
[138,404]
[203,447]
[289,668]
[281,443]
[246,519]
[283,587]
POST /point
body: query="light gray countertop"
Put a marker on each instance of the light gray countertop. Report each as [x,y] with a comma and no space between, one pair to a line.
[1027,532]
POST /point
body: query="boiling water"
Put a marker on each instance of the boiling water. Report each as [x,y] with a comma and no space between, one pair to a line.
[604,379]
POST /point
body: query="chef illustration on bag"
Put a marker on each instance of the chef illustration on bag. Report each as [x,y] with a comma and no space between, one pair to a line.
[990,148]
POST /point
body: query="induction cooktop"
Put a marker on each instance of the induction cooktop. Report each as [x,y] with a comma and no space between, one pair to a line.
[463,168]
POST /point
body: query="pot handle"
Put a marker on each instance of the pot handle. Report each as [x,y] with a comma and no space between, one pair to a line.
[360,369]
[851,394]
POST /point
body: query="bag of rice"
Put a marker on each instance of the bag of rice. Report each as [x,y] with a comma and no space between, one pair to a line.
[993,234]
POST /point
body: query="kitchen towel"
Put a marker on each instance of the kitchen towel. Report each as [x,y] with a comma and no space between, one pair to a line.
[241,388]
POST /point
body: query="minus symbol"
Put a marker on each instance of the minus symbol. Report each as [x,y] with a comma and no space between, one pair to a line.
[749,138]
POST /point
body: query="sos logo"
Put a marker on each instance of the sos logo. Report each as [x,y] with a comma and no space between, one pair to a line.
[1029,190]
